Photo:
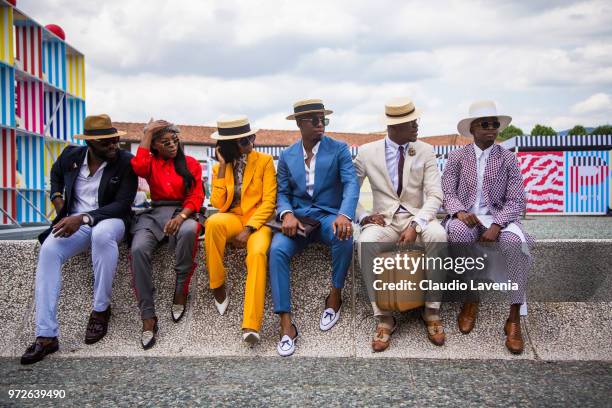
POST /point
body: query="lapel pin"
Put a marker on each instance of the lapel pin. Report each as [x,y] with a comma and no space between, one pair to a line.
[411,151]
[74,165]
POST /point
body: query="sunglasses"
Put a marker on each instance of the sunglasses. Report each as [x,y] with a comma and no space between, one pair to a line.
[316,120]
[170,142]
[245,141]
[485,125]
[107,142]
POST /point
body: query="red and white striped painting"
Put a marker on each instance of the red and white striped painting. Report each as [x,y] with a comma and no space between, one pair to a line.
[8,154]
[29,49]
[543,174]
[30,105]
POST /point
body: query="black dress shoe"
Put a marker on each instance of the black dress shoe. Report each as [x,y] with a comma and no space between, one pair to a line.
[148,337]
[38,350]
[97,326]
[178,311]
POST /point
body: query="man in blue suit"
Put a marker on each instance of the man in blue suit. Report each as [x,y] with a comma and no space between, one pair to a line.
[316,179]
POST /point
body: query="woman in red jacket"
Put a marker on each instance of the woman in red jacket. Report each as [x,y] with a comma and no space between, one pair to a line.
[175,181]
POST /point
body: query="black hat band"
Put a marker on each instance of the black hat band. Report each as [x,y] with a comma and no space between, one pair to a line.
[401,115]
[234,130]
[100,132]
[308,107]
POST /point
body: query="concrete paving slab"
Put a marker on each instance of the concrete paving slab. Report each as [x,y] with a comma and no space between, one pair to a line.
[212,334]
[487,340]
[17,266]
[124,330]
[571,331]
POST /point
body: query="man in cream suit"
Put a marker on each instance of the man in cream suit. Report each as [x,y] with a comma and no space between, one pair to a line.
[407,194]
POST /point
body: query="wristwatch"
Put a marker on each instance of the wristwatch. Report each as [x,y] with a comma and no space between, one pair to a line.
[417,227]
[86,219]
[183,216]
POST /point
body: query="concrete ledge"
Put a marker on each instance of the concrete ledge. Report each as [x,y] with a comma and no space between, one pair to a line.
[554,331]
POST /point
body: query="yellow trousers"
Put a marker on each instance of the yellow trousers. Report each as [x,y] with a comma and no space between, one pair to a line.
[222,228]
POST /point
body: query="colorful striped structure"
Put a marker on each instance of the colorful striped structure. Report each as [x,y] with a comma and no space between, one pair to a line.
[29,47]
[6,33]
[42,95]
[54,63]
[7,96]
[76,75]
[8,171]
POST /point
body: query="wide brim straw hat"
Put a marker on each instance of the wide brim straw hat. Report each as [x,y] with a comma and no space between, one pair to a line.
[99,127]
[482,109]
[400,110]
[233,128]
[306,106]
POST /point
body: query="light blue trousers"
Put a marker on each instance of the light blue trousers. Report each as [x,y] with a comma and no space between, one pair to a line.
[103,239]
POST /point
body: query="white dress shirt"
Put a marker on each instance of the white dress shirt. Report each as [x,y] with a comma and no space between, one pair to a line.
[482,156]
[310,170]
[392,157]
[86,188]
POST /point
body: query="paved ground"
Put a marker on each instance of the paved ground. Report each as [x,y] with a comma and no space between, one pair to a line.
[310,382]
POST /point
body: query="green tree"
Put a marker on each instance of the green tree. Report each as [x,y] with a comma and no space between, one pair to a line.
[578,130]
[510,132]
[602,130]
[541,130]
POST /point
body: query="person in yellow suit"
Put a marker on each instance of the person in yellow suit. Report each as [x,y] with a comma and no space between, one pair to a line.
[244,191]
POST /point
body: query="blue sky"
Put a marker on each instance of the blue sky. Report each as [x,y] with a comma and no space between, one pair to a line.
[193,61]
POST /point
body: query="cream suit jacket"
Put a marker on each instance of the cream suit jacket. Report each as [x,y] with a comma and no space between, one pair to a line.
[422,190]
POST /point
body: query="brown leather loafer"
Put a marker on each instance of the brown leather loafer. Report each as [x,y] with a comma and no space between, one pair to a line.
[467,317]
[435,330]
[39,349]
[97,326]
[382,337]
[514,337]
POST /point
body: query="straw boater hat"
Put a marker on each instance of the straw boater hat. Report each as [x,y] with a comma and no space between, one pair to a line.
[99,127]
[482,109]
[400,110]
[308,106]
[233,128]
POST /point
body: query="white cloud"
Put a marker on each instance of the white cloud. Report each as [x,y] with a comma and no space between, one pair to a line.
[600,102]
[192,61]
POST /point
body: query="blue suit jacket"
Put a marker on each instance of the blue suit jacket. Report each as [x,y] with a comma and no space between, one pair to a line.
[336,188]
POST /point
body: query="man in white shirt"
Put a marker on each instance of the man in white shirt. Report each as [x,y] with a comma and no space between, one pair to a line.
[92,189]
[407,194]
[485,197]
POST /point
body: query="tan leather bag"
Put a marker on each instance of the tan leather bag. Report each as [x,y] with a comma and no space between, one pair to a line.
[401,300]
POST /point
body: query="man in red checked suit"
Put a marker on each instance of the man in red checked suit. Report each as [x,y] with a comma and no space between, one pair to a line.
[485,197]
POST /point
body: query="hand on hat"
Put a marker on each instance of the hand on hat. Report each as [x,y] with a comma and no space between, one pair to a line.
[154,126]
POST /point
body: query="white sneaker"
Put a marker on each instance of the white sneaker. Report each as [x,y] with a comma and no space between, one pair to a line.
[222,307]
[329,318]
[286,345]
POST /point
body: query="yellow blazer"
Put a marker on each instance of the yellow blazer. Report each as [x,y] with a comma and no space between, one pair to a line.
[258,195]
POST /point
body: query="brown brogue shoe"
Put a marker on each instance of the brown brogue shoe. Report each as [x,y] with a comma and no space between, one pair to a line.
[467,317]
[514,337]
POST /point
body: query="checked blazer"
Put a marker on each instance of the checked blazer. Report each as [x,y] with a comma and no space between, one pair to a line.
[503,189]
